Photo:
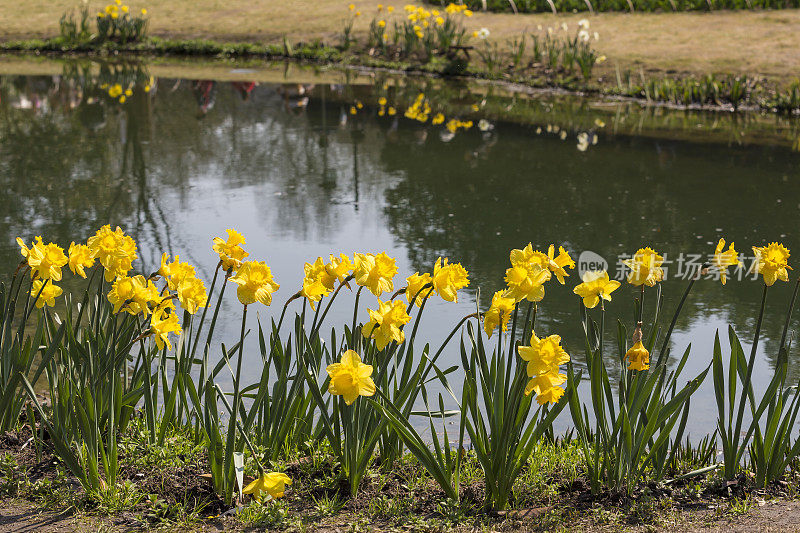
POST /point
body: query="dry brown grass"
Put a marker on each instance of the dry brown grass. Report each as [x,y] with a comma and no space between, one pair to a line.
[761,42]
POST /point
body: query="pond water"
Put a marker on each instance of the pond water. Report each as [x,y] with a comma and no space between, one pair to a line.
[306,164]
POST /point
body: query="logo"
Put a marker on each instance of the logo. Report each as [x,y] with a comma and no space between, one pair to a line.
[589,261]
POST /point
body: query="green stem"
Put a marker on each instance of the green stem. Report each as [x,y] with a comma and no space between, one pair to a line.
[205,310]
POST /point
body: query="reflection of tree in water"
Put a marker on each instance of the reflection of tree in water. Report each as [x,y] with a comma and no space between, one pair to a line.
[611,200]
[69,127]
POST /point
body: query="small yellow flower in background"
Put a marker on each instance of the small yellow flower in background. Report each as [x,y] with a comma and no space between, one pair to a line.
[353,110]
[162,324]
[118,2]
[722,260]
[114,250]
[122,99]
[101,15]
[638,357]
[230,251]
[380,7]
[273,483]
[48,295]
[382,23]
[414,290]
[772,262]
[358,13]
[115,15]
[448,278]
[351,7]
[339,267]
[255,283]
[382,101]
[124,9]
[80,258]
[437,119]
[350,378]
[45,260]
[596,285]
[499,313]
[144,11]
[375,272]
[645,267]
[384,324]
[439,21]
[391,111]
[192,294]
[390,9]
[599,123]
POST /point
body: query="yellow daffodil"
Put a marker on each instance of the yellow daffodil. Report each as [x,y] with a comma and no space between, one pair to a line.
[645,267]
[638,357]
[385,323]
[722,260]
[526,282]
[114,250]
[230,251]
[49,293]
[448,278]
[317,282]
[596,285]
[546,386]
[499,313]
[772,262]
[175,272]
[350,378]
[255,283]
[122,292]
[80,258]
[45,260]
[375,272]
[528,255]
[144,11]
[556,263]
[192,294]
[339,267]
[162,323]
[543,355]
[414,290]
[273,483]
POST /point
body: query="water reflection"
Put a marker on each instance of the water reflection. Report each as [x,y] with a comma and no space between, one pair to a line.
[310,168]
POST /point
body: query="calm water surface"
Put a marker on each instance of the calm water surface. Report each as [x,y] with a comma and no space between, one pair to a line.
[305,168]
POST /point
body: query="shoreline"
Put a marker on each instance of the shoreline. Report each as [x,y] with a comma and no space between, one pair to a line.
[763,96]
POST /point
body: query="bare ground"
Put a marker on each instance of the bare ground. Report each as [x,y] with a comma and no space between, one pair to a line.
[20,516]
[753,42]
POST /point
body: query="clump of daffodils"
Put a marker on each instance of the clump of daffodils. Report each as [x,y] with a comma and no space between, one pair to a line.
[117,21]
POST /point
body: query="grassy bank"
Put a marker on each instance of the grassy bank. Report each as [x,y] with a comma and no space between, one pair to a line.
[166,487]
[660,43]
